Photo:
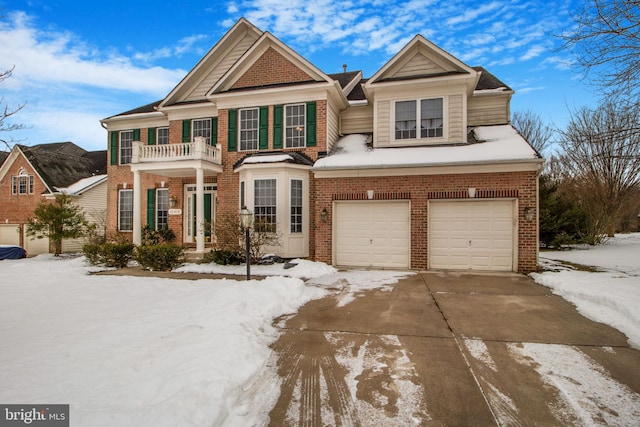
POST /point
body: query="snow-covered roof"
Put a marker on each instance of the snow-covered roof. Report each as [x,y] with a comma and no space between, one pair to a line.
[276,158]
[497,144]
[82,185]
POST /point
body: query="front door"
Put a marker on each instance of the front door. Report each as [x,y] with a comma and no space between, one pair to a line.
[190,226]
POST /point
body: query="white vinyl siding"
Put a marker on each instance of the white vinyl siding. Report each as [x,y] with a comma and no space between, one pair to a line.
[94,206]
[357,119]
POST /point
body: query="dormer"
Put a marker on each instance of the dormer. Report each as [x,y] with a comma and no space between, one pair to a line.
[420,97]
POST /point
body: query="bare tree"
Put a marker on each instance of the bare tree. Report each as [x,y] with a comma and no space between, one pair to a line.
[601,160]
[606,40]
[531,127]
[7,113]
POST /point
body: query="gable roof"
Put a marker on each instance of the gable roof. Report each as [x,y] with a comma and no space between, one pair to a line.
[421,59]
[79,187]
[488,81]
[3,157]
[63,163]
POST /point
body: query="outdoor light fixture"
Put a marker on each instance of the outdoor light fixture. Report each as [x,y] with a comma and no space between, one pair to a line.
[173,200]
[529,213]
[471,192]
[323,215]
[246,221]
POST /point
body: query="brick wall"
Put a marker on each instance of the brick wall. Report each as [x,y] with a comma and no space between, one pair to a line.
[15,209]
[270,69]
[521,183]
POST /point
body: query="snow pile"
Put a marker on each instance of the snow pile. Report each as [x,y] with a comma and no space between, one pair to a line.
[499,144]
[132,351]
[611,296]
[303,269]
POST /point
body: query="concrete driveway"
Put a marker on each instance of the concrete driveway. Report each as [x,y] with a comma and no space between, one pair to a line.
[449,349]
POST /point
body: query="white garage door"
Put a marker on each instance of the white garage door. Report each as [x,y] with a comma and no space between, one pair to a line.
[9,234]
[472,235]
[372,234]
[35,246]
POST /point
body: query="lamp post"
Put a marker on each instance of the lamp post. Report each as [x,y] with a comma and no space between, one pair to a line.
[246,221]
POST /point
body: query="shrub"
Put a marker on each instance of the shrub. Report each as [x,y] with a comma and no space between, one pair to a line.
[109,254]
[155,237]
[160,257]
[224,257]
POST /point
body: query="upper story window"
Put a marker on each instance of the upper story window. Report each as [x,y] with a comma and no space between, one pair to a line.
[202,127]
[249,122]
[162,136]
[428,112]
[294,125]
[126,146]
[22,183]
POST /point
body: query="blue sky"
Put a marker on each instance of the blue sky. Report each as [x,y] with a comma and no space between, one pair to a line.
[78,62]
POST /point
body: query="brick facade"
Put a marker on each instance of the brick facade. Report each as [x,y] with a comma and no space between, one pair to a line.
[271,69]
[522,184]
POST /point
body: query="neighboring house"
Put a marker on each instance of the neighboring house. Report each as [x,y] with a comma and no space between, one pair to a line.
[33,173]
[415,167]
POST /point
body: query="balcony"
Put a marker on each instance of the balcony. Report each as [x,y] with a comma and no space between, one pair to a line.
[177,159]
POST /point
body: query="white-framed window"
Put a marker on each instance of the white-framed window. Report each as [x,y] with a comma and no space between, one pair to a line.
[429,113]
[295,199]
[162,136]
[295,122]
[201,127]
[125,210]
[249,121]
[22,183]
[162,208]
[126,146]
[264,204]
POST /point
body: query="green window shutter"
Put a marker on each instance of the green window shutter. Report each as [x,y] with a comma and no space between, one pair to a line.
[263,129]
[233,130]
[113,148]
[277,126]
[151,208]
[151,132]
[136,134]
[186,131]
[311,124]
[214,131]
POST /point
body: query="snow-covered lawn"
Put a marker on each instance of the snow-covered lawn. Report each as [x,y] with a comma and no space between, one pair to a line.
[610,295]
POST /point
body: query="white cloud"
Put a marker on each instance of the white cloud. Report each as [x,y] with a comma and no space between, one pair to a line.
[471,14]
[533,52]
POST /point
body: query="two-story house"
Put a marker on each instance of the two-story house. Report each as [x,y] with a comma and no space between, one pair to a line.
[32,174]
[415,167]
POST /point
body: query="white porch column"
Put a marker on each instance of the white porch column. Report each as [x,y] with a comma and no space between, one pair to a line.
[137,226]
[199,210]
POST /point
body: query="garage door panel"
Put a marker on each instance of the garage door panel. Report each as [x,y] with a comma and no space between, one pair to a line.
[372,234]
[476,234]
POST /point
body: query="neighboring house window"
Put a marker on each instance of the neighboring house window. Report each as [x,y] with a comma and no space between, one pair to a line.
[22,183]
[162,136]
[162,208]
[429,115]
[249,129]
[296,206]
[265,205]
[294,126]
[126,146]
[202,127]
[125,210]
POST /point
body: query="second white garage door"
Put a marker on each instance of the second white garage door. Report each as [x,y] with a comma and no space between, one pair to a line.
[472,235]
[372,234]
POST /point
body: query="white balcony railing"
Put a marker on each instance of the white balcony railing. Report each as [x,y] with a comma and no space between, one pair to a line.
[196,150]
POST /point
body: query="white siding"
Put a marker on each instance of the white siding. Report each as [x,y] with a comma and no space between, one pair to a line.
[456,119]
[383,125]
[488,110]
[222,67]
[94,205]
[357,120]
[333,125]
[419,65]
